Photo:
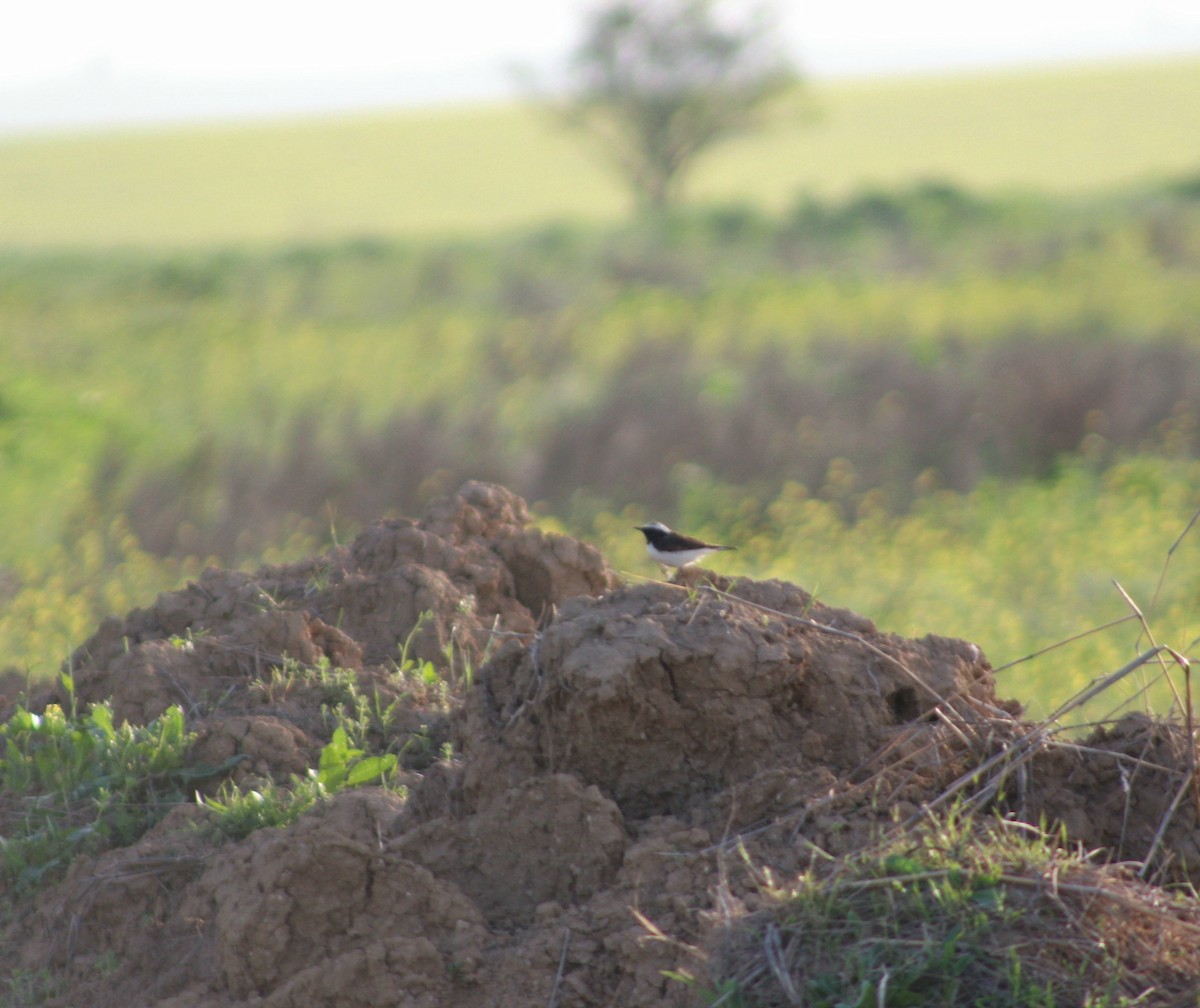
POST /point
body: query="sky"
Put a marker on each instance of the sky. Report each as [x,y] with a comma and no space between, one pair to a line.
[72,63]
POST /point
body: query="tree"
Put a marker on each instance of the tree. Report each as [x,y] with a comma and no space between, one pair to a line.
[661,81]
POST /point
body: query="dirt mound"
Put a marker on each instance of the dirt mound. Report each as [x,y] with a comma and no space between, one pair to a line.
[662,699]
[1120,792]
[615,749]
[444,586]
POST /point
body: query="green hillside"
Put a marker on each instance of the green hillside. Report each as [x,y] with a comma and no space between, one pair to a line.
[484,168]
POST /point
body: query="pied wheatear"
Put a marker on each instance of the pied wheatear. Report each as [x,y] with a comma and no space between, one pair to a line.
[673,549]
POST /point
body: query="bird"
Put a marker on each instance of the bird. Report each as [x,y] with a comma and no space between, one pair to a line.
[673,549]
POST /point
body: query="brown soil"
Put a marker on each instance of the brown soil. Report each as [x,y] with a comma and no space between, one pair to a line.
[613,748]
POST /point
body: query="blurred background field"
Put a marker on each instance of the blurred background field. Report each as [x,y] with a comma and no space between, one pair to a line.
[478,169]
[930,349]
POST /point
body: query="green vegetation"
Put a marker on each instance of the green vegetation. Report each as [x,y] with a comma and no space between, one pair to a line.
[656,86]
[963,913]
[368,721]
[239,811]
[366,743]
[24,988]
[482,169]
[73,782]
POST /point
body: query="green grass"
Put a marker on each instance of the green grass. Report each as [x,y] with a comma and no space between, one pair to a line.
[1064,129]
[408,172]
[239,811]
[369,721]
[485,168]
[961,913]
[24,988]
[75,781]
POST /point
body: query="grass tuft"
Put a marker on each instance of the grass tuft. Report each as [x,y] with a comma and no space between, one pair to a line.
[959,914]
[239,811]
[74,782]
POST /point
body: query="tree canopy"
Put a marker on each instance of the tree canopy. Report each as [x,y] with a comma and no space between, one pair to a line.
[661,81]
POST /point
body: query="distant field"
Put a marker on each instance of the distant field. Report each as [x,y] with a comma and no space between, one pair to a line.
[483,168]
